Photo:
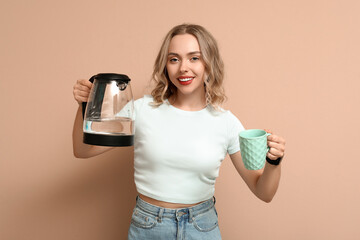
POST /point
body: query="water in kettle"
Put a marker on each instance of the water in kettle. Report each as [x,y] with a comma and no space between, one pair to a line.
[109,126]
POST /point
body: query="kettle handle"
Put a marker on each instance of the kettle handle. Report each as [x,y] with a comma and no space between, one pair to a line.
[83,108]
[85,103]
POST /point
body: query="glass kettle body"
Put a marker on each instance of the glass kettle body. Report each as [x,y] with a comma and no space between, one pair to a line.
[108,116]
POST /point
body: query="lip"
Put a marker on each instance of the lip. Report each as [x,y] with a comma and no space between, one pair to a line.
[185,80]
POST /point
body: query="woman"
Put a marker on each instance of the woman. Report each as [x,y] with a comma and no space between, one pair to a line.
[182,136]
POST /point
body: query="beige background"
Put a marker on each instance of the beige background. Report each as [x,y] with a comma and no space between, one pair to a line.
[291,66]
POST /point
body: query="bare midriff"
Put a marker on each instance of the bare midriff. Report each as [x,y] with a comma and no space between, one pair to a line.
[165,204]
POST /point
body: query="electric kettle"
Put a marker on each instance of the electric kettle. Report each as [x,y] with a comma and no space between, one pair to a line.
[108,114]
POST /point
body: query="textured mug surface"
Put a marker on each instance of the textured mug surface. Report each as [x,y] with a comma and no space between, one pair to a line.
[253,146]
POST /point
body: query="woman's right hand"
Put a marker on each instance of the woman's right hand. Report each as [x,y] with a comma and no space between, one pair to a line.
[81,90]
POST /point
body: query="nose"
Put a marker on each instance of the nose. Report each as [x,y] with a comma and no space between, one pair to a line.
[184,67]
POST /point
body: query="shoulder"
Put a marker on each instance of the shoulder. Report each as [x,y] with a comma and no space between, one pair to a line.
[146,103]
[229,115]
[225,117]
[225,114]
[146,99]
[232,120]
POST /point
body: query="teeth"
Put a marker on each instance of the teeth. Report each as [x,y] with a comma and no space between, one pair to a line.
[185,79]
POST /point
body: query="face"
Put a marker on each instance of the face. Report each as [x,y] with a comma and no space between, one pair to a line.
[185,66]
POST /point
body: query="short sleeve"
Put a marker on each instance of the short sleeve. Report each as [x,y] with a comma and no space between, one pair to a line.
[234,128]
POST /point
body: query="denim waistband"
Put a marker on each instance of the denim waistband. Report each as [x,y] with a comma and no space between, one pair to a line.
[160,212]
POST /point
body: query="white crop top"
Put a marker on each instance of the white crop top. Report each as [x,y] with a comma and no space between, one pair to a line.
[178,153]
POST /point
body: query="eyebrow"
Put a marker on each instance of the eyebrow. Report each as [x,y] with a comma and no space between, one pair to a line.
[190,53]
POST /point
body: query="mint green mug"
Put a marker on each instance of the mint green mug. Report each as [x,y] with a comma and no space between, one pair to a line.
[253,147]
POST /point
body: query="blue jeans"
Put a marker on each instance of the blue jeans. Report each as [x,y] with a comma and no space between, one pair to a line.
[153,222]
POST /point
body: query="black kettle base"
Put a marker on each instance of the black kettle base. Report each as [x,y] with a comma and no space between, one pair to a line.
[108,140]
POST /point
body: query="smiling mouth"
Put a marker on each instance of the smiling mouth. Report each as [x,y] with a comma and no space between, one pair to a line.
[185,80]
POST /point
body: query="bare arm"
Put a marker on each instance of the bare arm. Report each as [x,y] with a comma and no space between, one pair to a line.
[263,183]
[80,149]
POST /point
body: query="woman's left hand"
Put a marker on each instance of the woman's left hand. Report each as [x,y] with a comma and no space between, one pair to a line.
[276,145]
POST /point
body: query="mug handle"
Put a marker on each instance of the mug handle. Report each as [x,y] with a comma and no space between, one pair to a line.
[268,134]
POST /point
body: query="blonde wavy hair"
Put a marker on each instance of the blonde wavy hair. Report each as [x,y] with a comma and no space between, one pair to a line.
[214,67]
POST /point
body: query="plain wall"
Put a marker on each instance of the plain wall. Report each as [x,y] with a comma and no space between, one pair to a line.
[291,66]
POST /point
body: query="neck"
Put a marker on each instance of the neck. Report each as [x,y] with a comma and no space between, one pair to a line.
[190,102]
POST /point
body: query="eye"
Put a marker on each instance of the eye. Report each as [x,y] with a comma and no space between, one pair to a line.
[173,60]
[193,59]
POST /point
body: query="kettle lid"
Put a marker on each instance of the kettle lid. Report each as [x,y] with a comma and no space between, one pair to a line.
[111,77]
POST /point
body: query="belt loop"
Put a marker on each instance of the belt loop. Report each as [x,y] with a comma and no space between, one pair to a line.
[191,215]
[161,212]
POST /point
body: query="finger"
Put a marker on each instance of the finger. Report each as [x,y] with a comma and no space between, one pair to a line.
[82,94]
[268,131]
[271,156]
[82,88]
[81,99]
[276,138]
[274,154]
[277,146]
[84,82]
